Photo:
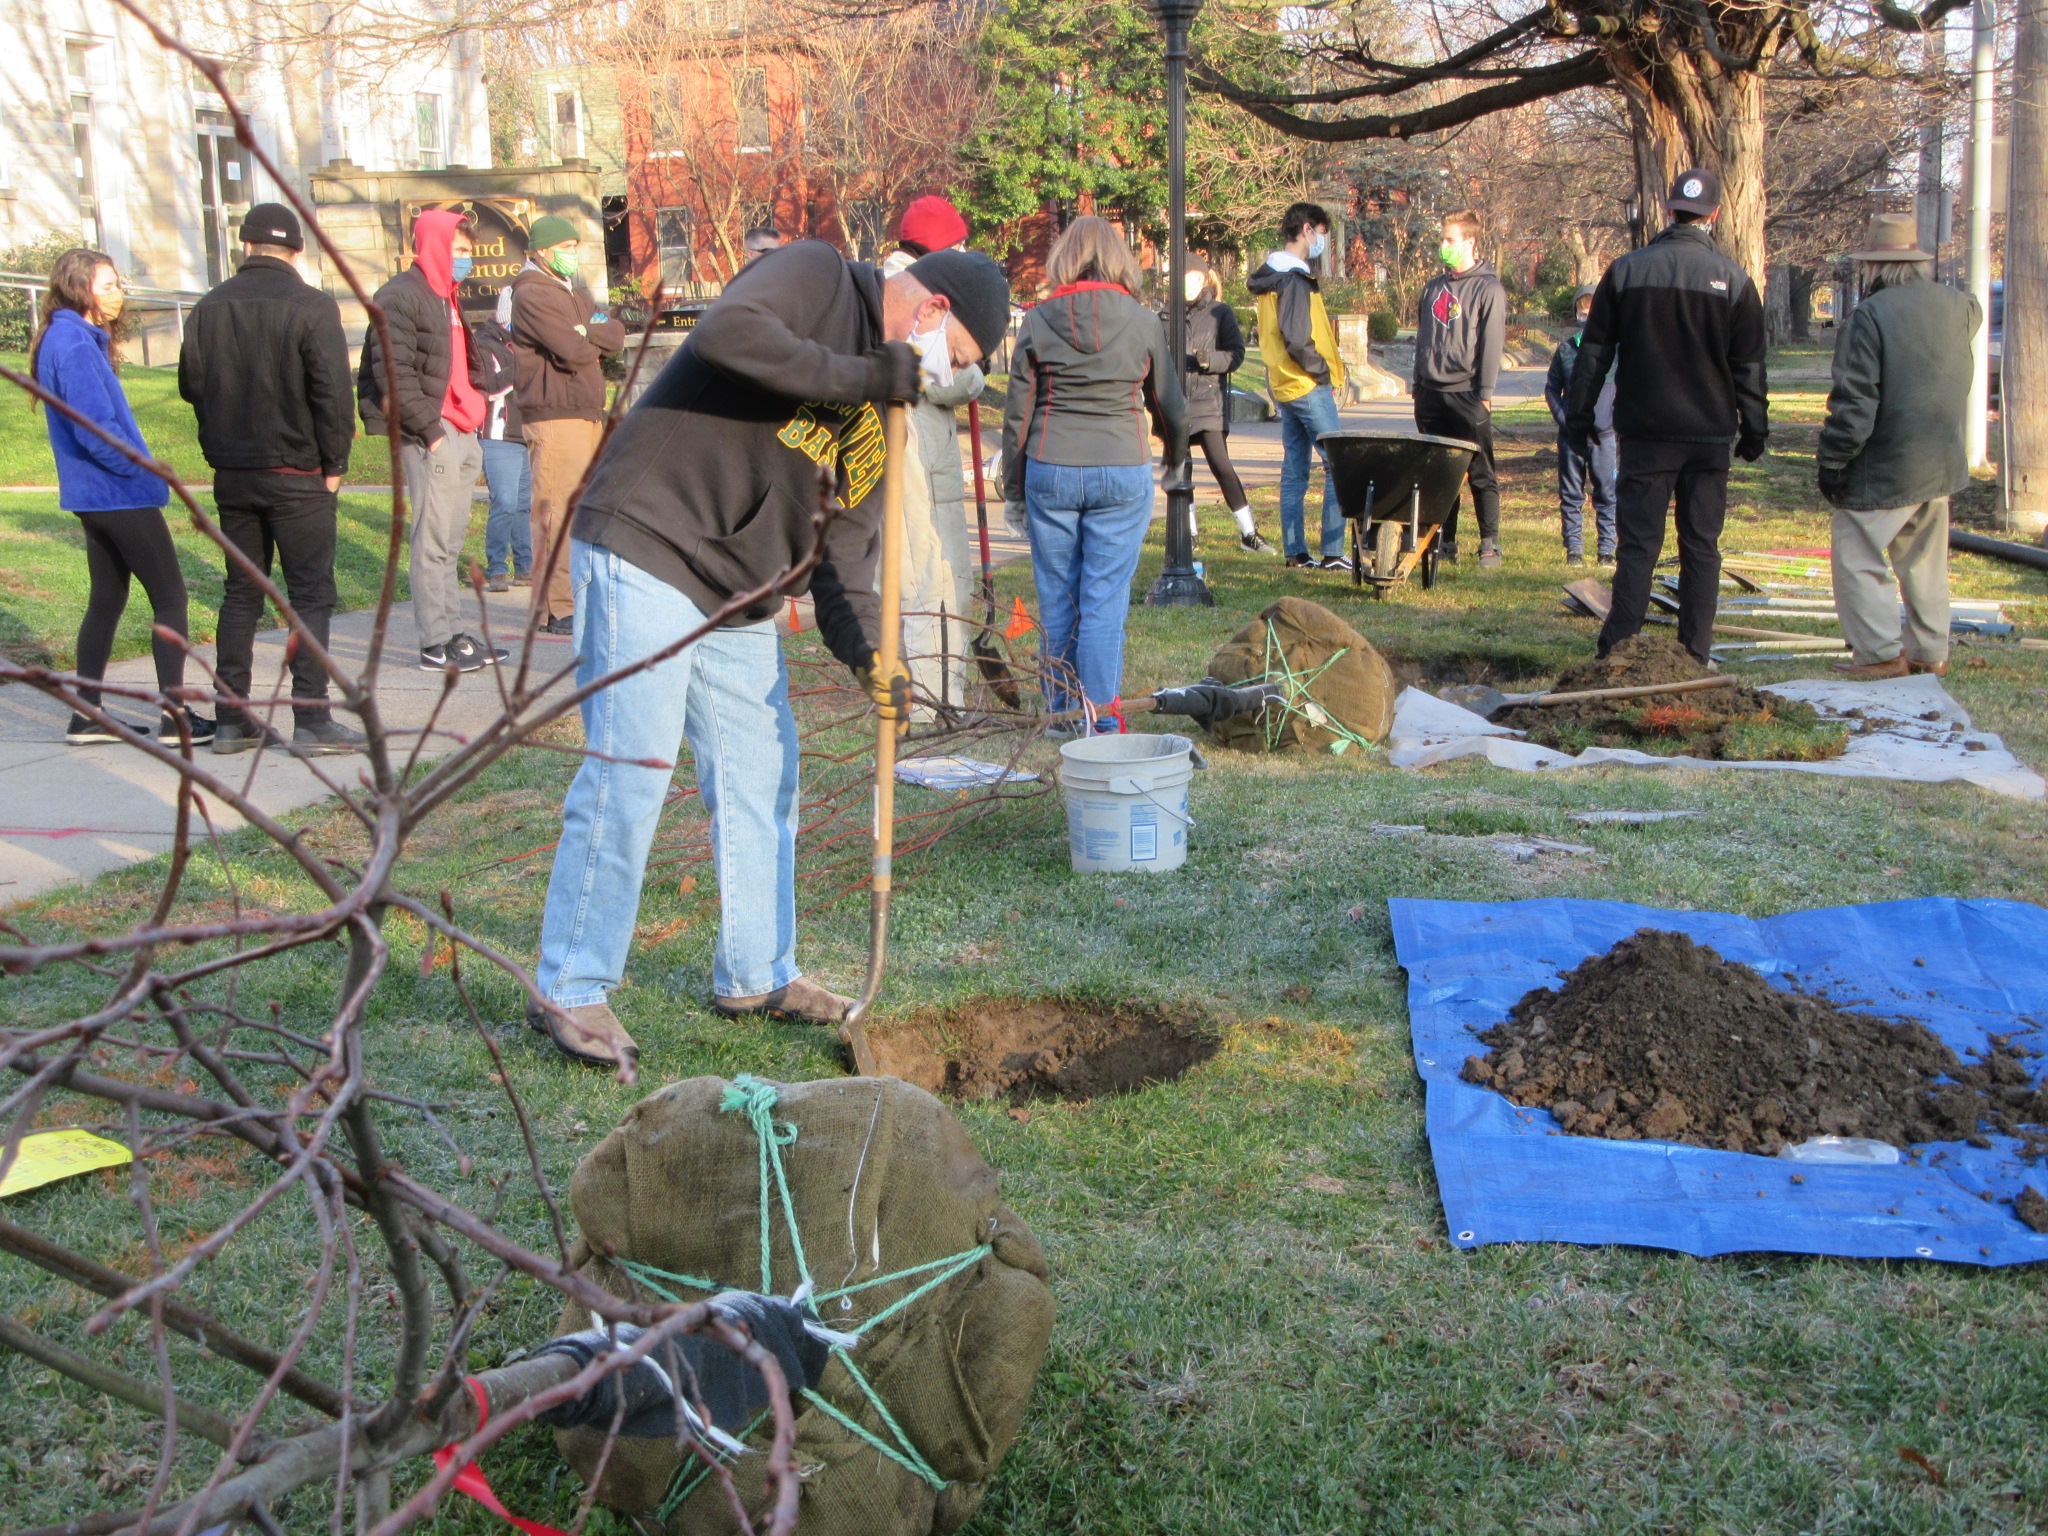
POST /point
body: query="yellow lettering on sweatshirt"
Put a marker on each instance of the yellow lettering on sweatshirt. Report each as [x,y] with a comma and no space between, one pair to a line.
[856,447]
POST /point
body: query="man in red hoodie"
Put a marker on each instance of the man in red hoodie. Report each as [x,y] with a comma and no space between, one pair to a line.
[432,396]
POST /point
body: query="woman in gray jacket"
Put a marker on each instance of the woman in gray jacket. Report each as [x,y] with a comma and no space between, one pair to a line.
[1089,366]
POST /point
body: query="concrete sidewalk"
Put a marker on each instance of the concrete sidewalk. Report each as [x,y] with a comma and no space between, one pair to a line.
[69,813]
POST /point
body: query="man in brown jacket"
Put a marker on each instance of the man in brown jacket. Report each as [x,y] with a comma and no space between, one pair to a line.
[559,336]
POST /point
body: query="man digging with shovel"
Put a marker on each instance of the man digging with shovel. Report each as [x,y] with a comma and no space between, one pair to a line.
[706,490]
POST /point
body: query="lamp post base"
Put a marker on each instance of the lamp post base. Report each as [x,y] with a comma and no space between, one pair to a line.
[1180,589]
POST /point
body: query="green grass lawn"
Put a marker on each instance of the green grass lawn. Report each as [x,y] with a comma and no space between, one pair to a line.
[1261,1326]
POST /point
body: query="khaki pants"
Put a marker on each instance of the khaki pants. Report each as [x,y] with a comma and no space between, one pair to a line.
[560,451]
[1916,538]
[440,481]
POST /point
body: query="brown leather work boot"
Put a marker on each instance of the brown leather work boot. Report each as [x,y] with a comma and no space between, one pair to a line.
[803,1001]
[1938,668]
[591,1033]
[1867,670]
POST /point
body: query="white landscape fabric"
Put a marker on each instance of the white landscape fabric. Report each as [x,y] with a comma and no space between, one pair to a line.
[1896,742]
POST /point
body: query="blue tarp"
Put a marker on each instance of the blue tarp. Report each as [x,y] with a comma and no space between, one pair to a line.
[1508,1175]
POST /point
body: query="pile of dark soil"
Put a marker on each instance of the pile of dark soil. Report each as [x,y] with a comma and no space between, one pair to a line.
[1661,1038]
[1734,724]
[1040,1048]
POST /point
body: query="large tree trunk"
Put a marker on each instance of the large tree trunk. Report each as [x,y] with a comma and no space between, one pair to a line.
[2025,380]
[1689,111]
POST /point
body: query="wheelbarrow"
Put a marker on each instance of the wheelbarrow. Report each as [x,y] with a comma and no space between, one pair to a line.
[1395,489]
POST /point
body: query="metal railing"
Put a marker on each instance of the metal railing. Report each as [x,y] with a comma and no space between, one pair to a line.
[174,300]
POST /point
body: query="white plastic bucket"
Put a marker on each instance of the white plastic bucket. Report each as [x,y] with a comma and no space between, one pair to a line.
[1127,802]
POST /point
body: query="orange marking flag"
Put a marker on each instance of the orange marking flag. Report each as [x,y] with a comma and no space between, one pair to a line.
[1021,622]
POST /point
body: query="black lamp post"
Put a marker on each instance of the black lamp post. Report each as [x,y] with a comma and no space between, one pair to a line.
[1178,586]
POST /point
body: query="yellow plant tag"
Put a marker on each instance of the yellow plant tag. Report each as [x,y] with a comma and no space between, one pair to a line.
[48,1156]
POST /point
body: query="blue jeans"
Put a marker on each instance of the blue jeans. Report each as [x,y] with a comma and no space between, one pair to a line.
[1573,473]
[508,536]
[1087,526]
[729,693]
[1301,421]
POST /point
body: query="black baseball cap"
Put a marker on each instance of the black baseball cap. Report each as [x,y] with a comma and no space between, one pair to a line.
[272,224]
[1695,191]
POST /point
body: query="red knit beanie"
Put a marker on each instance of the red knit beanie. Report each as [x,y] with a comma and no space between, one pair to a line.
[933,223]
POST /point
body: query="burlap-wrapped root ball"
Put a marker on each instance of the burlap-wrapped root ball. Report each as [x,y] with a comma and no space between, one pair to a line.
[883,1180]
[1340,691]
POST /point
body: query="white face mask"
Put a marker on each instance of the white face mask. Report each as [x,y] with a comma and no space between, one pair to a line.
[1192,285]
[1318,243]
[934,356]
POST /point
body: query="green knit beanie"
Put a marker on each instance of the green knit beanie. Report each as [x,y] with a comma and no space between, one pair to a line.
[550,229]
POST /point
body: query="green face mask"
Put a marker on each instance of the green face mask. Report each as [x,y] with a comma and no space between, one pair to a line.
[562,262]
[1448,253]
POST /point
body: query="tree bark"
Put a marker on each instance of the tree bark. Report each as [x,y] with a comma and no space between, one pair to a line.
[2025,380]
[1801,297]
[1690,111]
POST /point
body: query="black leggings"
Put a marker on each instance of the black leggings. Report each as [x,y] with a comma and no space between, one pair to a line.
[1215,448]
[119,545]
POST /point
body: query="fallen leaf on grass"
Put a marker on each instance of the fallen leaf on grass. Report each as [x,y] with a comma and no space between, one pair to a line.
[1323,1184]
[1907,1453]
[1021,1116]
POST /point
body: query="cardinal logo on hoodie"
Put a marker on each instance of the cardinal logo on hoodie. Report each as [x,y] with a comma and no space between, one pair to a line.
[1445,308]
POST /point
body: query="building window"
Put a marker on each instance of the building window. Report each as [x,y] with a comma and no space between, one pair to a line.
[432,138]
[674,229]
[753,112]
[82,171]
[568,126]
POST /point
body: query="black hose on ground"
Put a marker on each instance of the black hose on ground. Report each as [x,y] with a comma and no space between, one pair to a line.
[1999,549]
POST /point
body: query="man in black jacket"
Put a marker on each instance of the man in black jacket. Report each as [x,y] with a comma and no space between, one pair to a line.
[1689,327]
[705,492]
[1460,333]
[265,369]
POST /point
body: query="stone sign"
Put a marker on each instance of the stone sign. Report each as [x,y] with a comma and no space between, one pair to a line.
[500,230]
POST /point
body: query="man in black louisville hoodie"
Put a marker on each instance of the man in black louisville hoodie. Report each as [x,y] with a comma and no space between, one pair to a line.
[1460,331]
[707,491]
[265,368]
[1689,329]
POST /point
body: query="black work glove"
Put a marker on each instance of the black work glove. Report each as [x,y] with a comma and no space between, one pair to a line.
[731,1389]
[1749,448]
[904,379]
[1833,481]
[1582,446]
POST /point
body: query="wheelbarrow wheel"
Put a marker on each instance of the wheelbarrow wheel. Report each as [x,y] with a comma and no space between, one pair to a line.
[1386,548]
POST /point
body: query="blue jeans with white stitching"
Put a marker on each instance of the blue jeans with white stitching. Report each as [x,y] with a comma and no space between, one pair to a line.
[729,695]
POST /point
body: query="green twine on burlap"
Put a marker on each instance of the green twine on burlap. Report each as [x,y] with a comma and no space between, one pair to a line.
[1295,686]
[756,1099]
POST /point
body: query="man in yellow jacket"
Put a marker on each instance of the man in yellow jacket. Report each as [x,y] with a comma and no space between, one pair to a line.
[1304,373]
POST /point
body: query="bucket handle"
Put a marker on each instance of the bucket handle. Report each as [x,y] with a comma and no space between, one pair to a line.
[1130,786]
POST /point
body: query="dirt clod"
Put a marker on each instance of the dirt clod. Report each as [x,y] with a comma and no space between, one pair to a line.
[1021,1049]
[1736,724]
[1661,1038]
[2032,1208]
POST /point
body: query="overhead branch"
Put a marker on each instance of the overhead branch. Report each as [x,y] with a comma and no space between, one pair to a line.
[1590,68]
[1900,19]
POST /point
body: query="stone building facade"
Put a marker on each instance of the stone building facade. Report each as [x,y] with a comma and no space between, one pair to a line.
[108,140]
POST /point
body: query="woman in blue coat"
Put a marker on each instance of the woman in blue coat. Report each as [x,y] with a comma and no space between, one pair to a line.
[119,504]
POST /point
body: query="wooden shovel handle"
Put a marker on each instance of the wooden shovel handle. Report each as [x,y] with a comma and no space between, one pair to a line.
[1647,691]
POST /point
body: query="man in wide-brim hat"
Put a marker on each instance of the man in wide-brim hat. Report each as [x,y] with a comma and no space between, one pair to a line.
[1891,452]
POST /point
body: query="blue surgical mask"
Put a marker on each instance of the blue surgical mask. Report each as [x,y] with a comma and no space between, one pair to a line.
[1317,245]
[461,266]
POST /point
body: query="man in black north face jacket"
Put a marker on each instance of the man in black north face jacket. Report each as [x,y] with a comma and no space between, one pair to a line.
[1688,326]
